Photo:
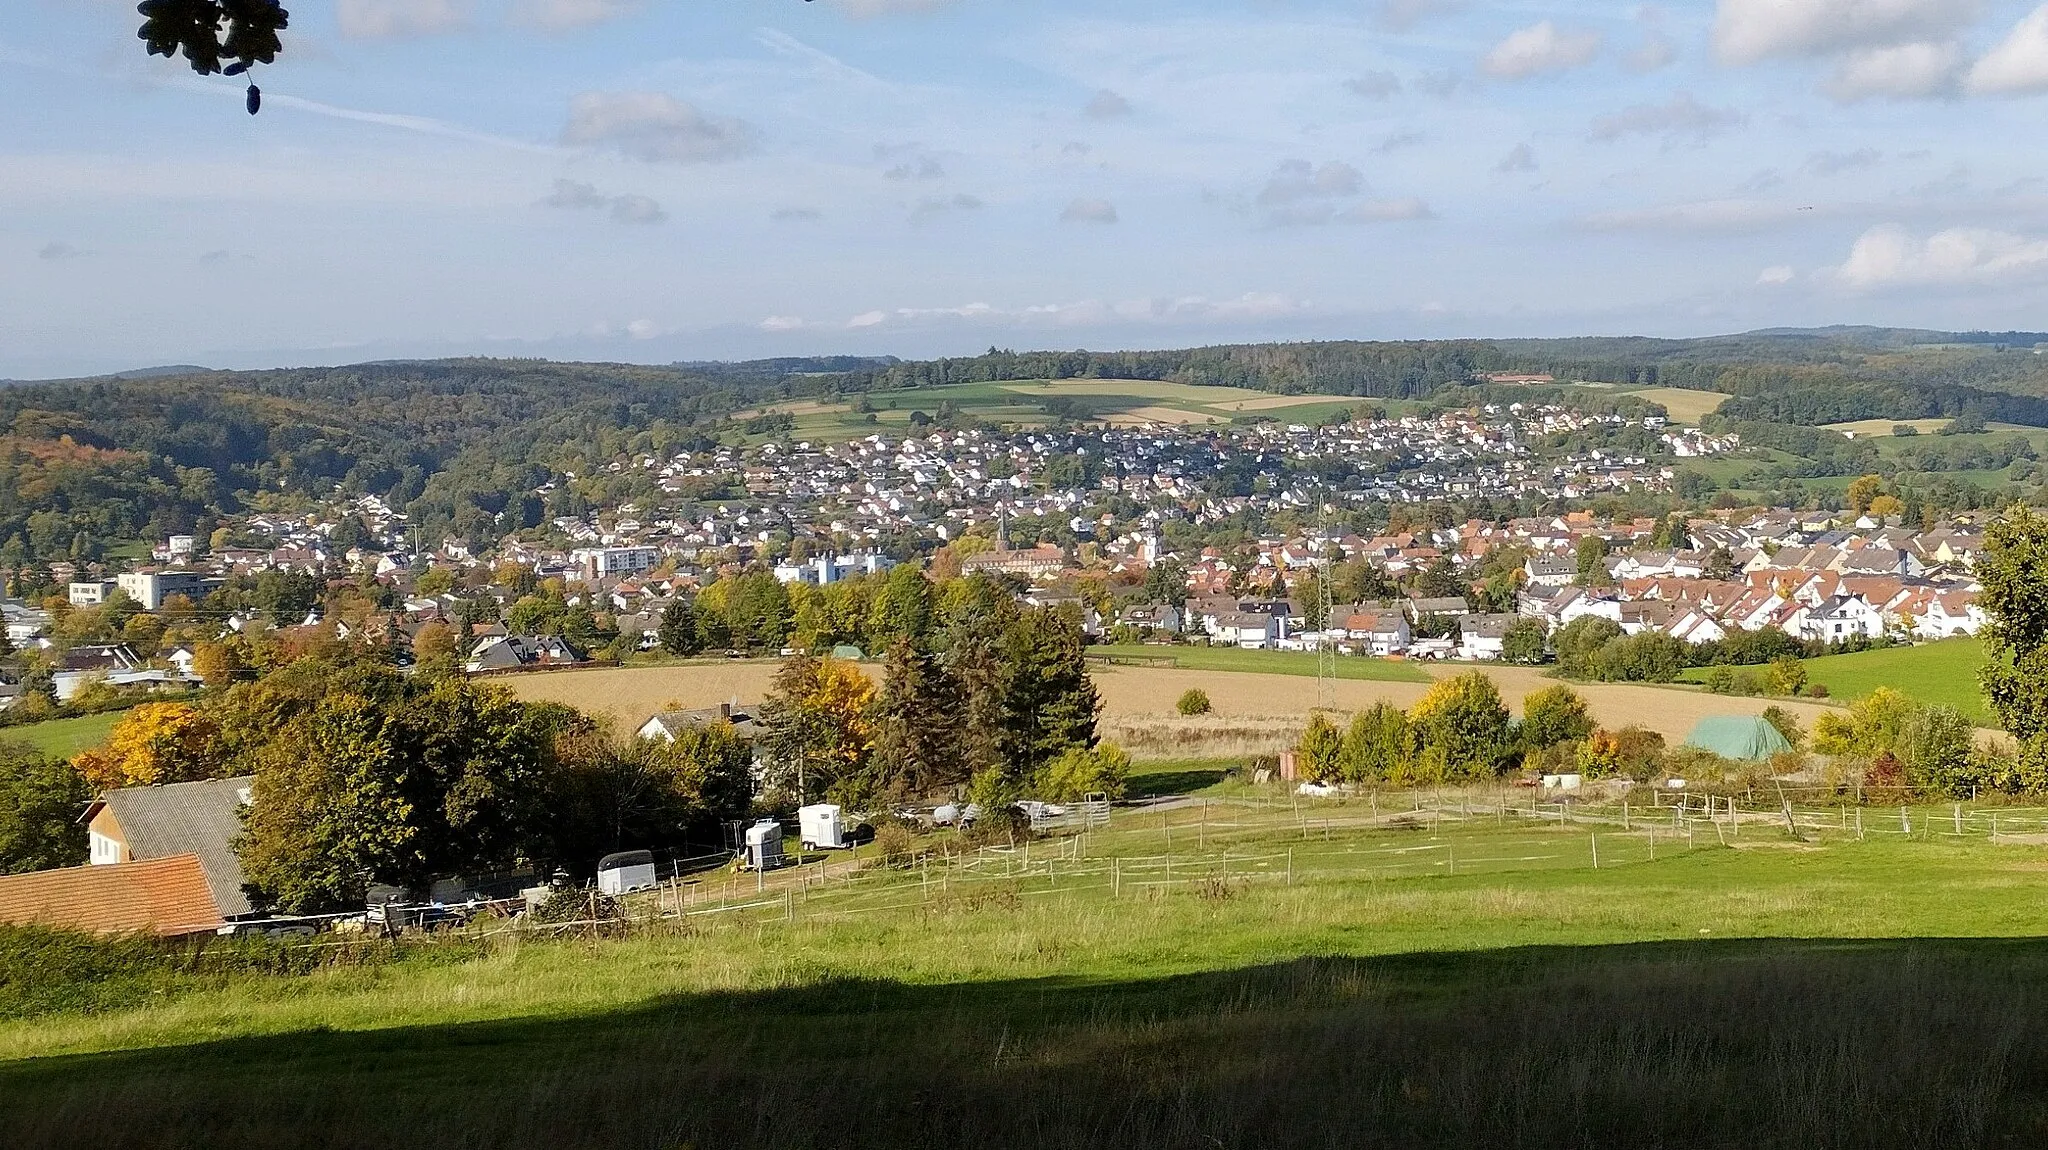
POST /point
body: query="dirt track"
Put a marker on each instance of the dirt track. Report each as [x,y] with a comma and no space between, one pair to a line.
[630,695]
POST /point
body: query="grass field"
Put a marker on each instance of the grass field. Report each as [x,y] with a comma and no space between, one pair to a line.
[1023,403]
[1239,975]
[1944,672]
[63,738]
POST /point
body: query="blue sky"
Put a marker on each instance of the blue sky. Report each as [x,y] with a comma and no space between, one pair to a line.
[653,180]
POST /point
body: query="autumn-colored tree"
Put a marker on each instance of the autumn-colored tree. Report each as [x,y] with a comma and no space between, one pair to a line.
[820,727]
[156,743]
[221,664]
[1862,491]
[435,648]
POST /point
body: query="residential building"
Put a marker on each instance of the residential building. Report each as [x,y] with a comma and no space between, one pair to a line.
[150,588]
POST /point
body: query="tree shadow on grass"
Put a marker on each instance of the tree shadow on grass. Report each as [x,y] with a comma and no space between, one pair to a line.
[1165,784]
[1745,1043]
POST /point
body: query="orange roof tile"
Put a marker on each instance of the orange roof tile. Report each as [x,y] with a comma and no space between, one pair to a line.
[162,896]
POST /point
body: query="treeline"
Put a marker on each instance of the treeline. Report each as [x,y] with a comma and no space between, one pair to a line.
[1375,370]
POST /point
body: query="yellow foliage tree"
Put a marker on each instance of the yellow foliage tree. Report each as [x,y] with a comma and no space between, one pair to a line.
[156,743]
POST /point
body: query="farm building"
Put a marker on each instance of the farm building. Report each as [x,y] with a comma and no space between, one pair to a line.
[163,861]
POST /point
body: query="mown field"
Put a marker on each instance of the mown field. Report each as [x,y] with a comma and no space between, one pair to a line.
[1025,403]
[1248,974]
[1942,673]
[63,738]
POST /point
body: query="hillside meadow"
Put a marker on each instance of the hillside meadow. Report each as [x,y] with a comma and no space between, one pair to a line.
[1248,974]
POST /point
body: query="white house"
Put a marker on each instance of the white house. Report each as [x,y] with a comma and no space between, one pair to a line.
[1839,617]
[1481,638]
[1248,630]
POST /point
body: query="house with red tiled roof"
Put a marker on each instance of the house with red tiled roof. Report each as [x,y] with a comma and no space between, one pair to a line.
[167,897]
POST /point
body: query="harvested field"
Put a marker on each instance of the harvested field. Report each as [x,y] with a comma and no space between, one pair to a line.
[1880,428]
[1684,405]
[1276,402]
[1138,417]
[1138,702]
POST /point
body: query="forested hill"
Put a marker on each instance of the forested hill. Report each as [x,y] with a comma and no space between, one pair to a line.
[462,444]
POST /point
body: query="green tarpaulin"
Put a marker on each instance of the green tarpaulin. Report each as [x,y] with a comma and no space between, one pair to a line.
[1738,737]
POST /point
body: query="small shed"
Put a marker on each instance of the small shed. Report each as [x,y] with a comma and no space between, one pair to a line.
[1745,738]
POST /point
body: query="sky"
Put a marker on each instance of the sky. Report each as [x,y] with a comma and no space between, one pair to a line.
[663,180]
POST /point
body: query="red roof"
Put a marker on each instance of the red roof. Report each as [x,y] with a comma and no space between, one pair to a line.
[162,896]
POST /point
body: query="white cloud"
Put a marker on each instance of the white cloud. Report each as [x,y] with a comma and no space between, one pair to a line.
[1405,15]
[1089,212]
[1374,85]
[1901,71]
[1297,180]
[1835,163]
[1303,194]
[1889,256]
[397,19]
[1681,118]
[572,15]
[577,196]
[58,251]
[868,319]
[637,210]
[1521,158]
[656,127]
[2019,64]
[937,206]
[889,7]
[1540,48]
[1746,31]
[1654,54]
[1385,211]
[782,323]
[1107,105]
[643,329]
[1699,216]
[1775,276]
[571,194]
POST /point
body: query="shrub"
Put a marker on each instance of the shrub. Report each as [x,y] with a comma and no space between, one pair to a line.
[1554,715]
[1380,745]
[1721,680]
[1632,753]
[1320,750]
[896,843]
[1787,725]
[1194,702]
[1816,690]
[1082,771]
[1788,675]
[1463,729]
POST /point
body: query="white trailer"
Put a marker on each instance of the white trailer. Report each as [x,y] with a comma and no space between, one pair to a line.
[625,872]
[764,845]
[822,827]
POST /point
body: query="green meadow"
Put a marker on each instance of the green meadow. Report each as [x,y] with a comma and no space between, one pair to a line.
[1264,972]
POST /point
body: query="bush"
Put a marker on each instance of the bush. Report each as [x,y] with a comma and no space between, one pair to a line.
[1630,753]
[1816,690]
[1195,702]
[896,843]
[1554,715]
[1787,725]
[1788,675]
[1082,771]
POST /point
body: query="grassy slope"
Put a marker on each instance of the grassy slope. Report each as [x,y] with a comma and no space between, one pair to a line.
[1931,672]
[63,738]
[1553,1006]
[1276,663]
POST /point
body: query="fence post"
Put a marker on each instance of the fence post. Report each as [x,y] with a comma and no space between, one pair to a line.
[1905,822]
[1290,866]
[1624,815]
[1653,842]
[1859,824]
[1596,852]
[1959,820]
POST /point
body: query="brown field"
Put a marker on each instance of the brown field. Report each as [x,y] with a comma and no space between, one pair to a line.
[1252,711]
[1138,417]
[1275,402]
[1880,428]
[1685,406]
